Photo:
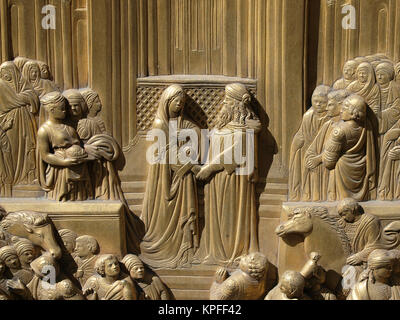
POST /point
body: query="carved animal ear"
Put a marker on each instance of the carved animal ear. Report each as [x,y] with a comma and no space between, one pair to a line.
[28,228]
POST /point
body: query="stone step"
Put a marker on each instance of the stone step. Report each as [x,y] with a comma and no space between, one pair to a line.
[265,210]
[188,284]
[272,199]
[183,283]
[134,198]
[276,188]
[28,187]
[278,180]
[191,294]
[28,191]
[270,211]
[136,209]
[193,271]
[133,187]
[28,194]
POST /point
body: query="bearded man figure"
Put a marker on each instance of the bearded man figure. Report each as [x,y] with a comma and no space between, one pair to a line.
[230,196]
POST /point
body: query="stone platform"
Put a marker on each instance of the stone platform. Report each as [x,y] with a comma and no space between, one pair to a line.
[104,220]
[294,258]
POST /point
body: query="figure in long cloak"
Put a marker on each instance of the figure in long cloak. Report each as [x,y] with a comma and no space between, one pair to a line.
[170,208]
[18,105]
[231,229]
[321,179]
[313,120]
[351,151]
[389,97]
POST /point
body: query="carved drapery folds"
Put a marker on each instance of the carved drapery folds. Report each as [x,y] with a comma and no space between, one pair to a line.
[353,151]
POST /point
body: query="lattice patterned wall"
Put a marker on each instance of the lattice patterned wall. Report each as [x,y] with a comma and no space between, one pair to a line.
[203,105]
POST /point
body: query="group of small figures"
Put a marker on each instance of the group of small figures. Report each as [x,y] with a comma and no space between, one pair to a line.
[378,280]
[34,265]
[348,144]
[53,137]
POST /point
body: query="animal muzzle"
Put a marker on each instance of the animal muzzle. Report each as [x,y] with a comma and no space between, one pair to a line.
[280,230]
[56,253]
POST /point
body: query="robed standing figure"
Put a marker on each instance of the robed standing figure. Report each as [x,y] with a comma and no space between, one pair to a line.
[18,105]
[170,209]
[230,196]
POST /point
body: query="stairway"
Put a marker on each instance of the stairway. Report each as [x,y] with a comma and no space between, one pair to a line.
[275,193]
[188,284]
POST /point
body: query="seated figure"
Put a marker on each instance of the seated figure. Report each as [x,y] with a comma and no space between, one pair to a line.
[375,282]
[109,283]
[247,283]
[350,151]
[363,230]
[150,287]
[86,254]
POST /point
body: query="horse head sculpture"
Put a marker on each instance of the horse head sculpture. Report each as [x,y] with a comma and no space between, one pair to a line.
[299,223]
[321,233]
[33,226]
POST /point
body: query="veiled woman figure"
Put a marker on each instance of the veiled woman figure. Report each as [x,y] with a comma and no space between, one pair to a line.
[20,62]
[389,96]
[45,71]
[92,124]
[170,209]
[18,105]
[63,172]
[31,72]
[366,87]
[91,130]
